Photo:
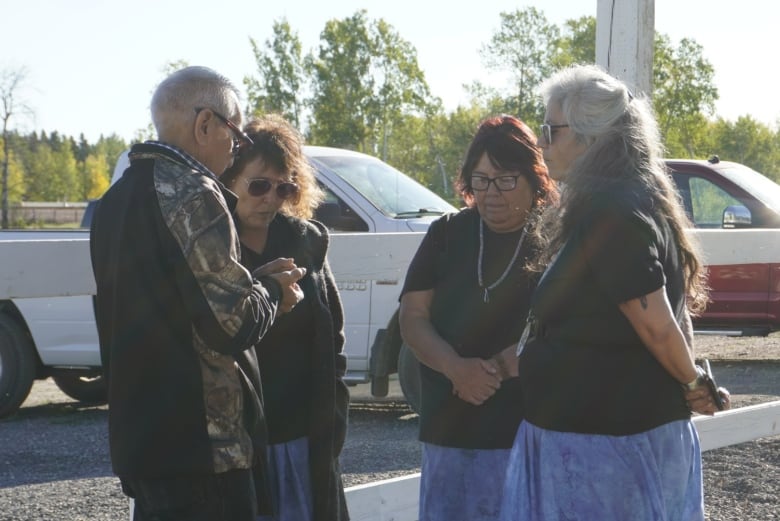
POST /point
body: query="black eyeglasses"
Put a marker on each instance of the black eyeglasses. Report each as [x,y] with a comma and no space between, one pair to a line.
[240,140]
[504,183]
[547,132]
[260,186]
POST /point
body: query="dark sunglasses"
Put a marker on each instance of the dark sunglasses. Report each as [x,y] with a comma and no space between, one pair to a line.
[260,186]
[547,132]
[240,140]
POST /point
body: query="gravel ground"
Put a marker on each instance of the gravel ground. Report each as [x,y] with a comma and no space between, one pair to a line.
[54,462]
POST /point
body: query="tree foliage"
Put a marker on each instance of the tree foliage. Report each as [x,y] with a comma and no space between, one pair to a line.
[525,47]
[12,105]
[365,79]
[361,88]
[281,75]
[15,181]
[749,142]
[577,43]
[684,94]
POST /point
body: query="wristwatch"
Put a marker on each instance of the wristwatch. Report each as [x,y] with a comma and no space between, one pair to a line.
[696,382]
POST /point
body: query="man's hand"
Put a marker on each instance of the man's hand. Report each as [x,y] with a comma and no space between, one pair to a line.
[291,291]
[275,266]
[700,401]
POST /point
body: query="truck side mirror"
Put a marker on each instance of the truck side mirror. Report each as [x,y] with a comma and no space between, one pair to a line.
[737,217]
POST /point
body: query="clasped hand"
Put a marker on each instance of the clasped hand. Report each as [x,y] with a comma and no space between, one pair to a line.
[700,401]
[287,274]
[474,380]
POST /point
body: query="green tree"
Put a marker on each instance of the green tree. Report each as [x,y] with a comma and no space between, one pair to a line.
[281,75]
[15,184]
[683,94]
[365,79]
[94,177]
[431,148]
[746,141]
[12,85]
[342,85]
[525,47]
[577,43]
[51,174]
[110,148]
[401,89]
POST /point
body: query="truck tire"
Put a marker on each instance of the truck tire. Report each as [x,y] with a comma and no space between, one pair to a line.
[17,365]
[409,377]
[86,389]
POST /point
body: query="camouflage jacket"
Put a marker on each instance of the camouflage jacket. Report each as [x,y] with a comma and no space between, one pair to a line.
[173,307]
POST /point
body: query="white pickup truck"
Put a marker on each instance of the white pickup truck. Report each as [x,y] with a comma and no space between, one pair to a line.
[735,211]
[56,336]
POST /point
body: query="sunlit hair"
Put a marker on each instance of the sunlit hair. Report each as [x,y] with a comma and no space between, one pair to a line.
[177,96]
[280,146]
[623,148]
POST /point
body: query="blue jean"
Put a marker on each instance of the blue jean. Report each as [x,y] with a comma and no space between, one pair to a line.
[228,496]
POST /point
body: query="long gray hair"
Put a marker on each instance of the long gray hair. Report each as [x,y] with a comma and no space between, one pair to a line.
[623,147]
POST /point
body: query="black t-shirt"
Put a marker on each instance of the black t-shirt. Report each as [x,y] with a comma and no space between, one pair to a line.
[285,353]
[588,371]
[446,262]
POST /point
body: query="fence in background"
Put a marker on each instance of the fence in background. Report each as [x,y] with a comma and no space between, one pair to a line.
[46,213]
[27,271]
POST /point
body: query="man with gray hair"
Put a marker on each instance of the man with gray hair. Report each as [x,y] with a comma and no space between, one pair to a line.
[174,306]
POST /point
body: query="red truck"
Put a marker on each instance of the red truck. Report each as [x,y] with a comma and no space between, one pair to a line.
[736,214]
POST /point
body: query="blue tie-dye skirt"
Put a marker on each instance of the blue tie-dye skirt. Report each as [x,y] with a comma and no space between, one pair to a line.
[651,476]
[290,479]
[461,484]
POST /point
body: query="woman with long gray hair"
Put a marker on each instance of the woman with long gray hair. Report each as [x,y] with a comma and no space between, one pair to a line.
[606,365]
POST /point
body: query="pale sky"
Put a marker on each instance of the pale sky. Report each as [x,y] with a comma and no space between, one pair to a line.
[92,64]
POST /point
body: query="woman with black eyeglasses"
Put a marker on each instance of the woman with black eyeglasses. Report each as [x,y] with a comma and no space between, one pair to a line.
[300,359]
[461,307]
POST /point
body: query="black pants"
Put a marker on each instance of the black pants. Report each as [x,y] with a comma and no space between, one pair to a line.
[229,496]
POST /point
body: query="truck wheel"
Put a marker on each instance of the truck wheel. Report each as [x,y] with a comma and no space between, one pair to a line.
[409,377]
[86,389]
[380,386]
[17,365]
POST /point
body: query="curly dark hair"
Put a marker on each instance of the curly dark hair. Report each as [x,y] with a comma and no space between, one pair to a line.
[281,146]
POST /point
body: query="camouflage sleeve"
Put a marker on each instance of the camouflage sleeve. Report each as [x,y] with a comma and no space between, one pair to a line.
[230,310]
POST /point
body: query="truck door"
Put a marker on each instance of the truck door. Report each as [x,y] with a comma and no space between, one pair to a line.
[739,285]
[355,294]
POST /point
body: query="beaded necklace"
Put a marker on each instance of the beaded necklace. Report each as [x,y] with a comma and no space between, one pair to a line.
[487,290]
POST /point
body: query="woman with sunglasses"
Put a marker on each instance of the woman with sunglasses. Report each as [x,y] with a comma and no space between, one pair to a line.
[301,359]
[460,313]
[607,371]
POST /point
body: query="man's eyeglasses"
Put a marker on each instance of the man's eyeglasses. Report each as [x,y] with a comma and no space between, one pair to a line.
[547,132]
[504,183]
[261,186]
[240,140]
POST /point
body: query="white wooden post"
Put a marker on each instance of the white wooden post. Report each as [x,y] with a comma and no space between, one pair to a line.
[624,41]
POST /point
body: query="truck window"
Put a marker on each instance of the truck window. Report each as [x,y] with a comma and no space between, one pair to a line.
[707,202]
[337,215]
